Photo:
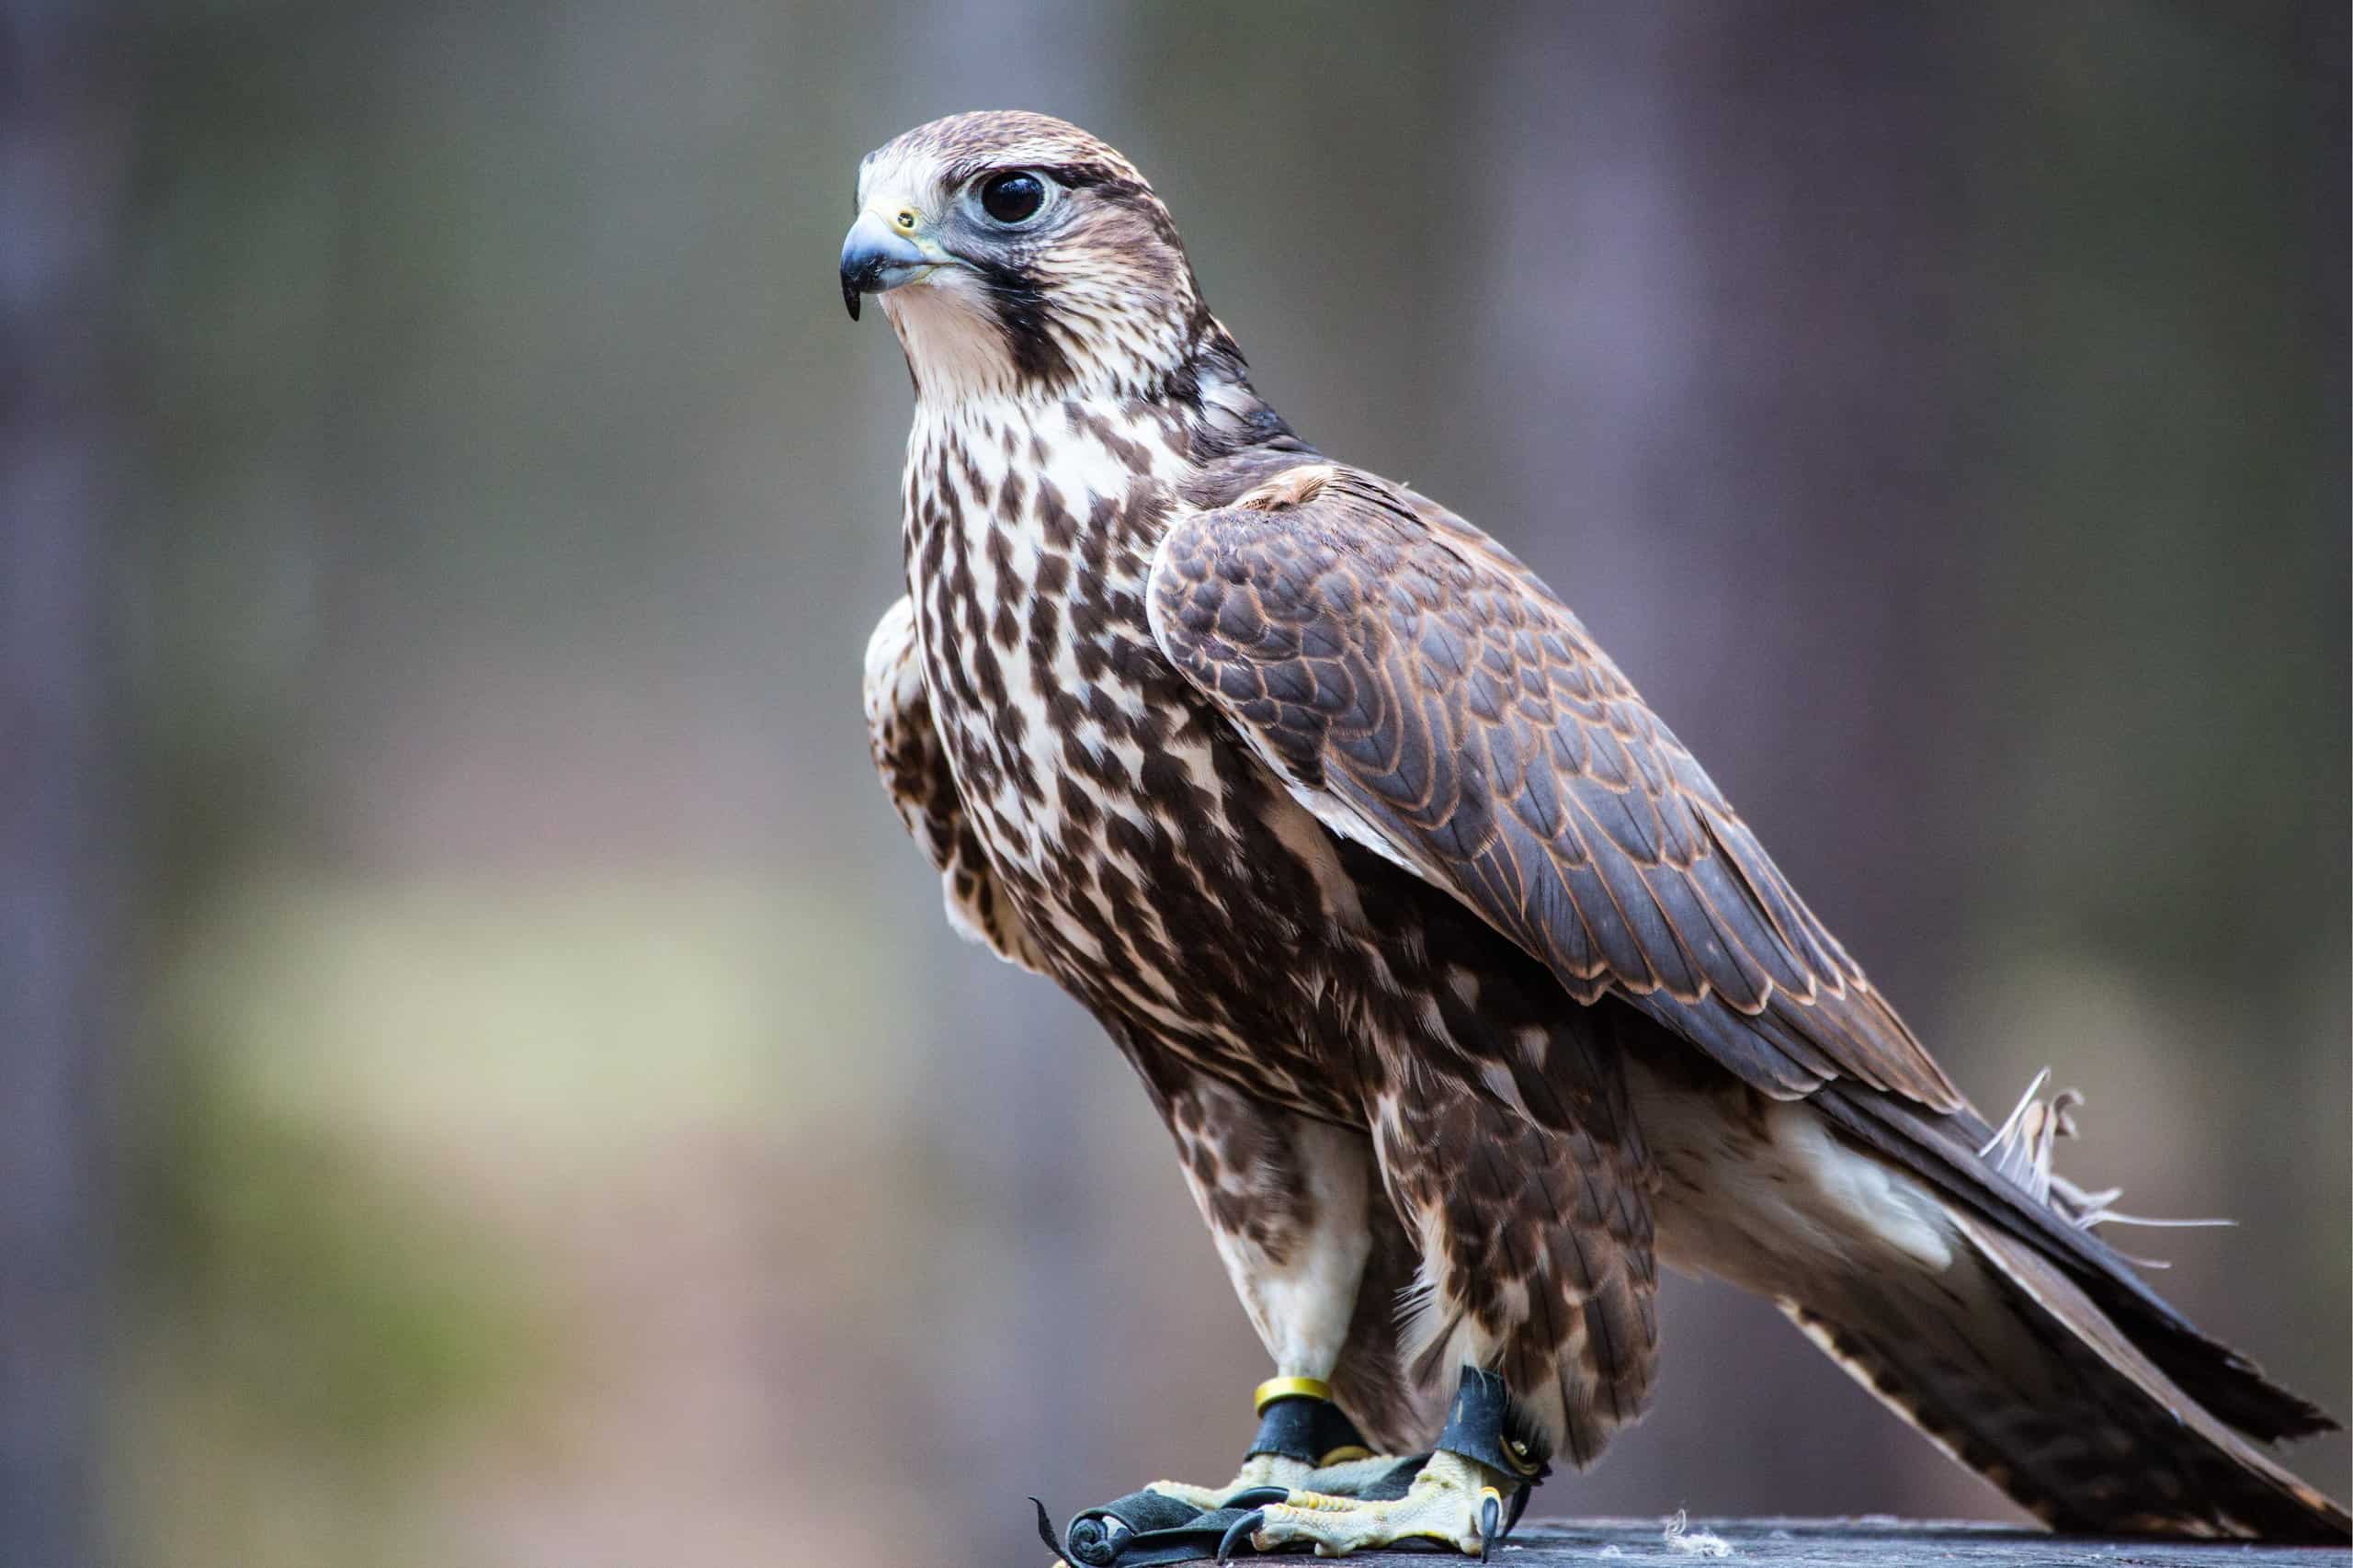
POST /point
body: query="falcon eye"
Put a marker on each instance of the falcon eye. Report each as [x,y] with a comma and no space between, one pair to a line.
[1013,197]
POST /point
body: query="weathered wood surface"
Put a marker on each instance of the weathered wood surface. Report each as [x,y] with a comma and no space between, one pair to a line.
[1856,1543]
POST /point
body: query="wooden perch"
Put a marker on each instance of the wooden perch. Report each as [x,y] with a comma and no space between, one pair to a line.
[1854,1543]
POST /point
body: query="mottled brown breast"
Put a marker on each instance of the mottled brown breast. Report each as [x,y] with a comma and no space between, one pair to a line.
[1160,873]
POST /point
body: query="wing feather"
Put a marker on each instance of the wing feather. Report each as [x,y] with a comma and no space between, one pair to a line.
[1407,676]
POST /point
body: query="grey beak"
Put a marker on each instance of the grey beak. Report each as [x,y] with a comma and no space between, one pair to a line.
[876,257]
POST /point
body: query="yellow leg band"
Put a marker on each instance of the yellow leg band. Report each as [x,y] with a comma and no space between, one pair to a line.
[1274,1389]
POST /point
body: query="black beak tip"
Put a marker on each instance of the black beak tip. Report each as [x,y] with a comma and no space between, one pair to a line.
[850,296]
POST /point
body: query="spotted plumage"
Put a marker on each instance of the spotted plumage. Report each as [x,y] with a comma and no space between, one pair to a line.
[1465,995]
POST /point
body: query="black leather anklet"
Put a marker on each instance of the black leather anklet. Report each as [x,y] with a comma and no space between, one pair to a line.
[1297,1422]
[1482,1426]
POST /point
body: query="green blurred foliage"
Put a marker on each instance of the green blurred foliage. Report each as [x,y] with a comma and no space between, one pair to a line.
[309,1328]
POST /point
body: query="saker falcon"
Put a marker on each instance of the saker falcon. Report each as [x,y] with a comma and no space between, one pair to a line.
[1466,996]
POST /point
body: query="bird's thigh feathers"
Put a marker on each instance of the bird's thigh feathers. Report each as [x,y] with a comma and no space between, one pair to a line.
[1308,1239]
[1535,1257]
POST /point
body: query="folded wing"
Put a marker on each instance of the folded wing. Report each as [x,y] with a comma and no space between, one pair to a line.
[1425,694]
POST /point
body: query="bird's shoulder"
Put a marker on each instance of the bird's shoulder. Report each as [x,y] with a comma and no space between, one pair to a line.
[1302,556]
[893,678]
[1264,508]
[911,759]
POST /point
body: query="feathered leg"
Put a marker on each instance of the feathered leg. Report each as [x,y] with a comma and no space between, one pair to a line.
[1536,1259]
[1536,1289]
[1318,1261]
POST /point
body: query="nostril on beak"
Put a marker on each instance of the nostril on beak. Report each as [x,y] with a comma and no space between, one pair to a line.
[877,256]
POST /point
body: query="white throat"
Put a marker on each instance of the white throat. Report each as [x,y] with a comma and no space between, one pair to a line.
[954,347]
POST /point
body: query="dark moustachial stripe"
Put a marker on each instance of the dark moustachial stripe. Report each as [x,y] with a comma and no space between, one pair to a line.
[1025,313]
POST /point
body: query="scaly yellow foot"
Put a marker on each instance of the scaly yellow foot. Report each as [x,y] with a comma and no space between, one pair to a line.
[1454,1500]
[1257,1470]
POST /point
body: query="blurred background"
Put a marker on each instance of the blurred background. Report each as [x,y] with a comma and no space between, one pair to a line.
[485,1080]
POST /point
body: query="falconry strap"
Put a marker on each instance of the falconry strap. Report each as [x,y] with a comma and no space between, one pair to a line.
[1483,1426]
[1147,1529]
[1297,1420]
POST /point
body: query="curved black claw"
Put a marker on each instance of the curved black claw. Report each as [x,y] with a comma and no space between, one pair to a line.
[1239,1531]
[1258,1497]
[1490,1519]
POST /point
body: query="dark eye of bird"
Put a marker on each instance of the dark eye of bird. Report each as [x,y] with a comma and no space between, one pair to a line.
[1011,198]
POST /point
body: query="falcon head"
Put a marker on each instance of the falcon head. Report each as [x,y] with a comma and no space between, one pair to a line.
[1016,255]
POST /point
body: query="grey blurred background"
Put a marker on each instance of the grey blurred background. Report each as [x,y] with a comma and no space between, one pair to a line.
[485,1080]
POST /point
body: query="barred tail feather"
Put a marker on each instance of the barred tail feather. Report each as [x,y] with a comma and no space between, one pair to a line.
[2029,1383]
[1943,1265]
[2003,1180]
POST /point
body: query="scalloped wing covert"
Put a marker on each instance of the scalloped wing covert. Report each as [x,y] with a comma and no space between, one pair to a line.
[1424,693]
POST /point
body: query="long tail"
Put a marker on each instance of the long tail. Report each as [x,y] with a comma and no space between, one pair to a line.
[2029,1383]
[1939,1262]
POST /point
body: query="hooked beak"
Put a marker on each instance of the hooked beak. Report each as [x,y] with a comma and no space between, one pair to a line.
[876,257]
